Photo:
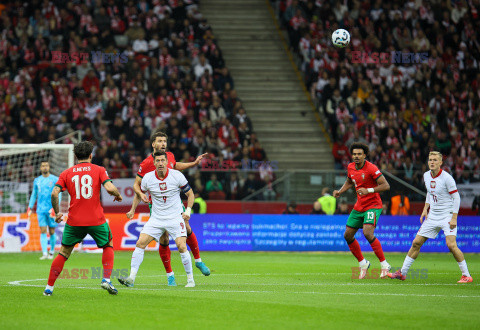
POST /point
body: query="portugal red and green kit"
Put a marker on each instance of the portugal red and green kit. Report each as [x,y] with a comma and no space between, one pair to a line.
[368,207]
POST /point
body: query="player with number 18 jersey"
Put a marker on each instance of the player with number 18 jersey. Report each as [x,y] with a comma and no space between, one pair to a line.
[83,182]
[85,214]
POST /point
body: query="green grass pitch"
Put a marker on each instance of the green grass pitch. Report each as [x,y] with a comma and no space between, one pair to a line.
[245,291]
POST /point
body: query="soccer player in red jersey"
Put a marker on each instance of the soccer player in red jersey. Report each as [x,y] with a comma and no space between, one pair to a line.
[159,143]
[368,182]
[85,214]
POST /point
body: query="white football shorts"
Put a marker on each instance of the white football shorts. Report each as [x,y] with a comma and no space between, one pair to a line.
[434,223]
[175,227]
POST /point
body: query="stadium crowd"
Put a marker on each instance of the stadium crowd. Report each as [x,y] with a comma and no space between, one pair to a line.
[401,110]
[117,71]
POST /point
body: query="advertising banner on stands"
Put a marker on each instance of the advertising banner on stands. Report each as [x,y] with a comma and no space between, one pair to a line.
[250,232]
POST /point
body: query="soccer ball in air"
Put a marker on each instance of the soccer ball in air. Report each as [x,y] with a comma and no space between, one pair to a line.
[341,38]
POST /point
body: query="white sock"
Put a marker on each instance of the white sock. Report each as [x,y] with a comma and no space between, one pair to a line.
[187,262]
[48,287]
[137,259]
[363,262]
[463,268]
[406,265]
[170,274]
[384,263]
[198,260]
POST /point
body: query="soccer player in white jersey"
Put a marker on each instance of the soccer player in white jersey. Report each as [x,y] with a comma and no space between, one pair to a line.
[443,200]
[168,214]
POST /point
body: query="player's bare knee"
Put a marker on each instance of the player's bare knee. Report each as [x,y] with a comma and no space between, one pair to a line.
[369,236]
[452,245]
[416,244]
[348,237]
[66,251]
[141,244]
[164,240]
[43,230]
[182,247]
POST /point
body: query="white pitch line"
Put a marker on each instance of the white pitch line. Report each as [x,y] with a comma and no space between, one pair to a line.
[261,291]
[279,274]
[331,284]
[19,283]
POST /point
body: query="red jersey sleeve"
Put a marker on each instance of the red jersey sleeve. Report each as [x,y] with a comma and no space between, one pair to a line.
[349,170]
[103,175]
[142,169]
[171,160]
[61,182]
[375,172]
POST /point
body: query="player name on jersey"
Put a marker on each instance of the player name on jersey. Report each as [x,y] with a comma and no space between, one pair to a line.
[81,169]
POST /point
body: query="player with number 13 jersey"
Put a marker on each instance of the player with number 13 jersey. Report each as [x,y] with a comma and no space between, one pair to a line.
[368,182]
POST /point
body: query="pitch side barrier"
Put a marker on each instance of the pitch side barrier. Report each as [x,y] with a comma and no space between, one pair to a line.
[253,232]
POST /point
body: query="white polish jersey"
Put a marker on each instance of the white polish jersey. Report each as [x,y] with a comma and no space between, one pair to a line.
[166,201]
[439,191]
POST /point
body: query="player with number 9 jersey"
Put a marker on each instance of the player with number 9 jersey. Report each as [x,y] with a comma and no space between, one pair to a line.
[83,182]
[166,202]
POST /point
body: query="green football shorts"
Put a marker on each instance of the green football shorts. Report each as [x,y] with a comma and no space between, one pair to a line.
[368,217]
[75,234]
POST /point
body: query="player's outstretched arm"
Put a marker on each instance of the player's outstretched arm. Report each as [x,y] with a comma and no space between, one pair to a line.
[55,206]
[347,185]
[138,190]
[136,201]
[184,166]
[112,190]
[190,201]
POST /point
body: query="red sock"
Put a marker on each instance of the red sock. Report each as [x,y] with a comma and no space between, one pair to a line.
[193,244]
[56,269]
[165,253]
[377,248]
[356,250]
[107,261]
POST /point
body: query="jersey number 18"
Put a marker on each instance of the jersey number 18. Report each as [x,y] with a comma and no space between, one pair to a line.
[86,186]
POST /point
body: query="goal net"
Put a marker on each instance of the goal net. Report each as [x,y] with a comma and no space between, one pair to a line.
[20,165]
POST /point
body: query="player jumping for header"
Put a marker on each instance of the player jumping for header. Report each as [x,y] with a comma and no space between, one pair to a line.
[164,185]
[368,182]
[85,214]
[443,200]
[42,191]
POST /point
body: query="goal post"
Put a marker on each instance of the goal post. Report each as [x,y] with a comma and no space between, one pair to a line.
[20,165]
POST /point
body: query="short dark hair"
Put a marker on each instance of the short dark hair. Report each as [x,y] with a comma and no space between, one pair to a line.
[83,150]
[157,134]
[159,153]
[358,145]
